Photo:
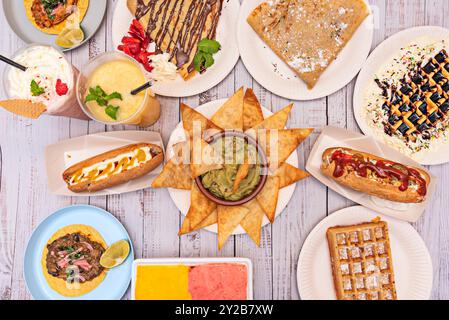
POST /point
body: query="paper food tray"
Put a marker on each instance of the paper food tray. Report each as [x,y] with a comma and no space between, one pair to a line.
[66,153]
[192,262]
[336,137]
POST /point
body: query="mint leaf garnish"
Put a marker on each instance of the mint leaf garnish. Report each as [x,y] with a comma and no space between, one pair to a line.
[209,46]
[114,95]
[35,89]
[204,57]
[98,95]
[112,111]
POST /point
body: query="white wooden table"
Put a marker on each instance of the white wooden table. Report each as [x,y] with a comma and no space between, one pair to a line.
[151,217]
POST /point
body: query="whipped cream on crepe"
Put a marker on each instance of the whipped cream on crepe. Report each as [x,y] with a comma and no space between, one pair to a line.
[46,66]
[163,69]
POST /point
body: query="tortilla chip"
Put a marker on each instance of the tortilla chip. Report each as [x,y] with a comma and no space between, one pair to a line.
[24,108]
[228,219]
[252,223]
[289,175]
[268,197]
[230,115]
[252,110]
[276,121]
[287,142]
[242,173]
[204,158]
[191,117]
[210,220]
[181,152]
[177,176]
[200,207]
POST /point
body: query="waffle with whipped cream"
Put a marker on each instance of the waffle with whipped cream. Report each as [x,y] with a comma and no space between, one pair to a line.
[361,259]
[308,34]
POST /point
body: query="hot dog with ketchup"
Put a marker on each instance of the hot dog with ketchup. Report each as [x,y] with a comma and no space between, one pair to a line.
[376,176]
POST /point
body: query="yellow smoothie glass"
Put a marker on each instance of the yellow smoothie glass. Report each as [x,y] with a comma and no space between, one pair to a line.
[104,91]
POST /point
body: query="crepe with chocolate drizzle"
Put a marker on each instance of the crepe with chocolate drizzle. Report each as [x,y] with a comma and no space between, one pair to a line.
[177,26]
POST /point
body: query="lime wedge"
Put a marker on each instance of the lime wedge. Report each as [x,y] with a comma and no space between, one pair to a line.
[115,255]
[70,37]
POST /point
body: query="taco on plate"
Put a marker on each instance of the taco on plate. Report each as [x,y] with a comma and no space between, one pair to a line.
[71,260]
[50,16]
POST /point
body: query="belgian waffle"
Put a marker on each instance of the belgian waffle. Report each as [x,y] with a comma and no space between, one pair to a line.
[361,261]
[422,102]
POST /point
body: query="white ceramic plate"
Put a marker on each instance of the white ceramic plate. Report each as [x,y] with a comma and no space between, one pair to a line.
[275,75]
[225,60]
[181,198]
[192,262]
[411,260]
[385,51]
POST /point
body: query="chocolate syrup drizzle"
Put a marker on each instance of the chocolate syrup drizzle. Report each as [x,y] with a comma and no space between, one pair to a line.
[190,29]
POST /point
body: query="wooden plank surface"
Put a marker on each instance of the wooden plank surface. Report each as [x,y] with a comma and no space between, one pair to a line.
[150,216]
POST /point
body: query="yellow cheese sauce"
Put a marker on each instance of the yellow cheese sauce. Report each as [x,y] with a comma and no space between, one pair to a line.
[120,76]
[162,283]
[112,166]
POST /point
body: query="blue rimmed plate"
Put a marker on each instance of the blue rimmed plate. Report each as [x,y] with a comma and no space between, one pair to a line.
[117,280]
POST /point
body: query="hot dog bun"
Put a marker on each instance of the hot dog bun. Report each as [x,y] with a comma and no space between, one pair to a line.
[385,188]
[88,181]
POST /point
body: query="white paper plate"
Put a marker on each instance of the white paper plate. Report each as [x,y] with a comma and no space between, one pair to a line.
[385,51]
[225,60]
[181,198]
[411,260]
[192,262]
[275,75]
[336,137]
[64,154]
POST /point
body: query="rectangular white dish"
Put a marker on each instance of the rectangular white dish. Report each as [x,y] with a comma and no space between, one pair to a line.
[192,262]
[336,137]
[64,154]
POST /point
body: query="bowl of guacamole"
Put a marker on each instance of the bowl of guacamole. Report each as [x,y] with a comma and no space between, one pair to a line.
[243,174]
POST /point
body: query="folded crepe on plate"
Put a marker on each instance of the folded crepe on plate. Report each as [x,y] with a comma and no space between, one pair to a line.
[308,34]
[178,26]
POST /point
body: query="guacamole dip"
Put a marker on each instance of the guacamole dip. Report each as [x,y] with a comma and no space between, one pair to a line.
[236,153]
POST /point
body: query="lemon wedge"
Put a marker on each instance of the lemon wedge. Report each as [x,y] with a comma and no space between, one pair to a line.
[68,38]
[115,255]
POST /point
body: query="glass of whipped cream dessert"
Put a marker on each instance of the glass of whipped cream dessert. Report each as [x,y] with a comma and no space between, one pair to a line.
[49,79]
[104,91]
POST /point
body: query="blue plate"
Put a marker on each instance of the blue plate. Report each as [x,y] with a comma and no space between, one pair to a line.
[117,280]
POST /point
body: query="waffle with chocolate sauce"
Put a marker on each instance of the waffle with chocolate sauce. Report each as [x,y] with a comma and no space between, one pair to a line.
[361,259]
[422,101]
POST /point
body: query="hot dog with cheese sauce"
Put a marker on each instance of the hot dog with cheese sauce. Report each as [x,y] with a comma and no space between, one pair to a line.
[113,168]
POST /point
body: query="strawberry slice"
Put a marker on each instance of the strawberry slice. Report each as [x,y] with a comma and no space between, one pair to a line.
[61,88]
[136,24]
[136,45]
[127,40]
